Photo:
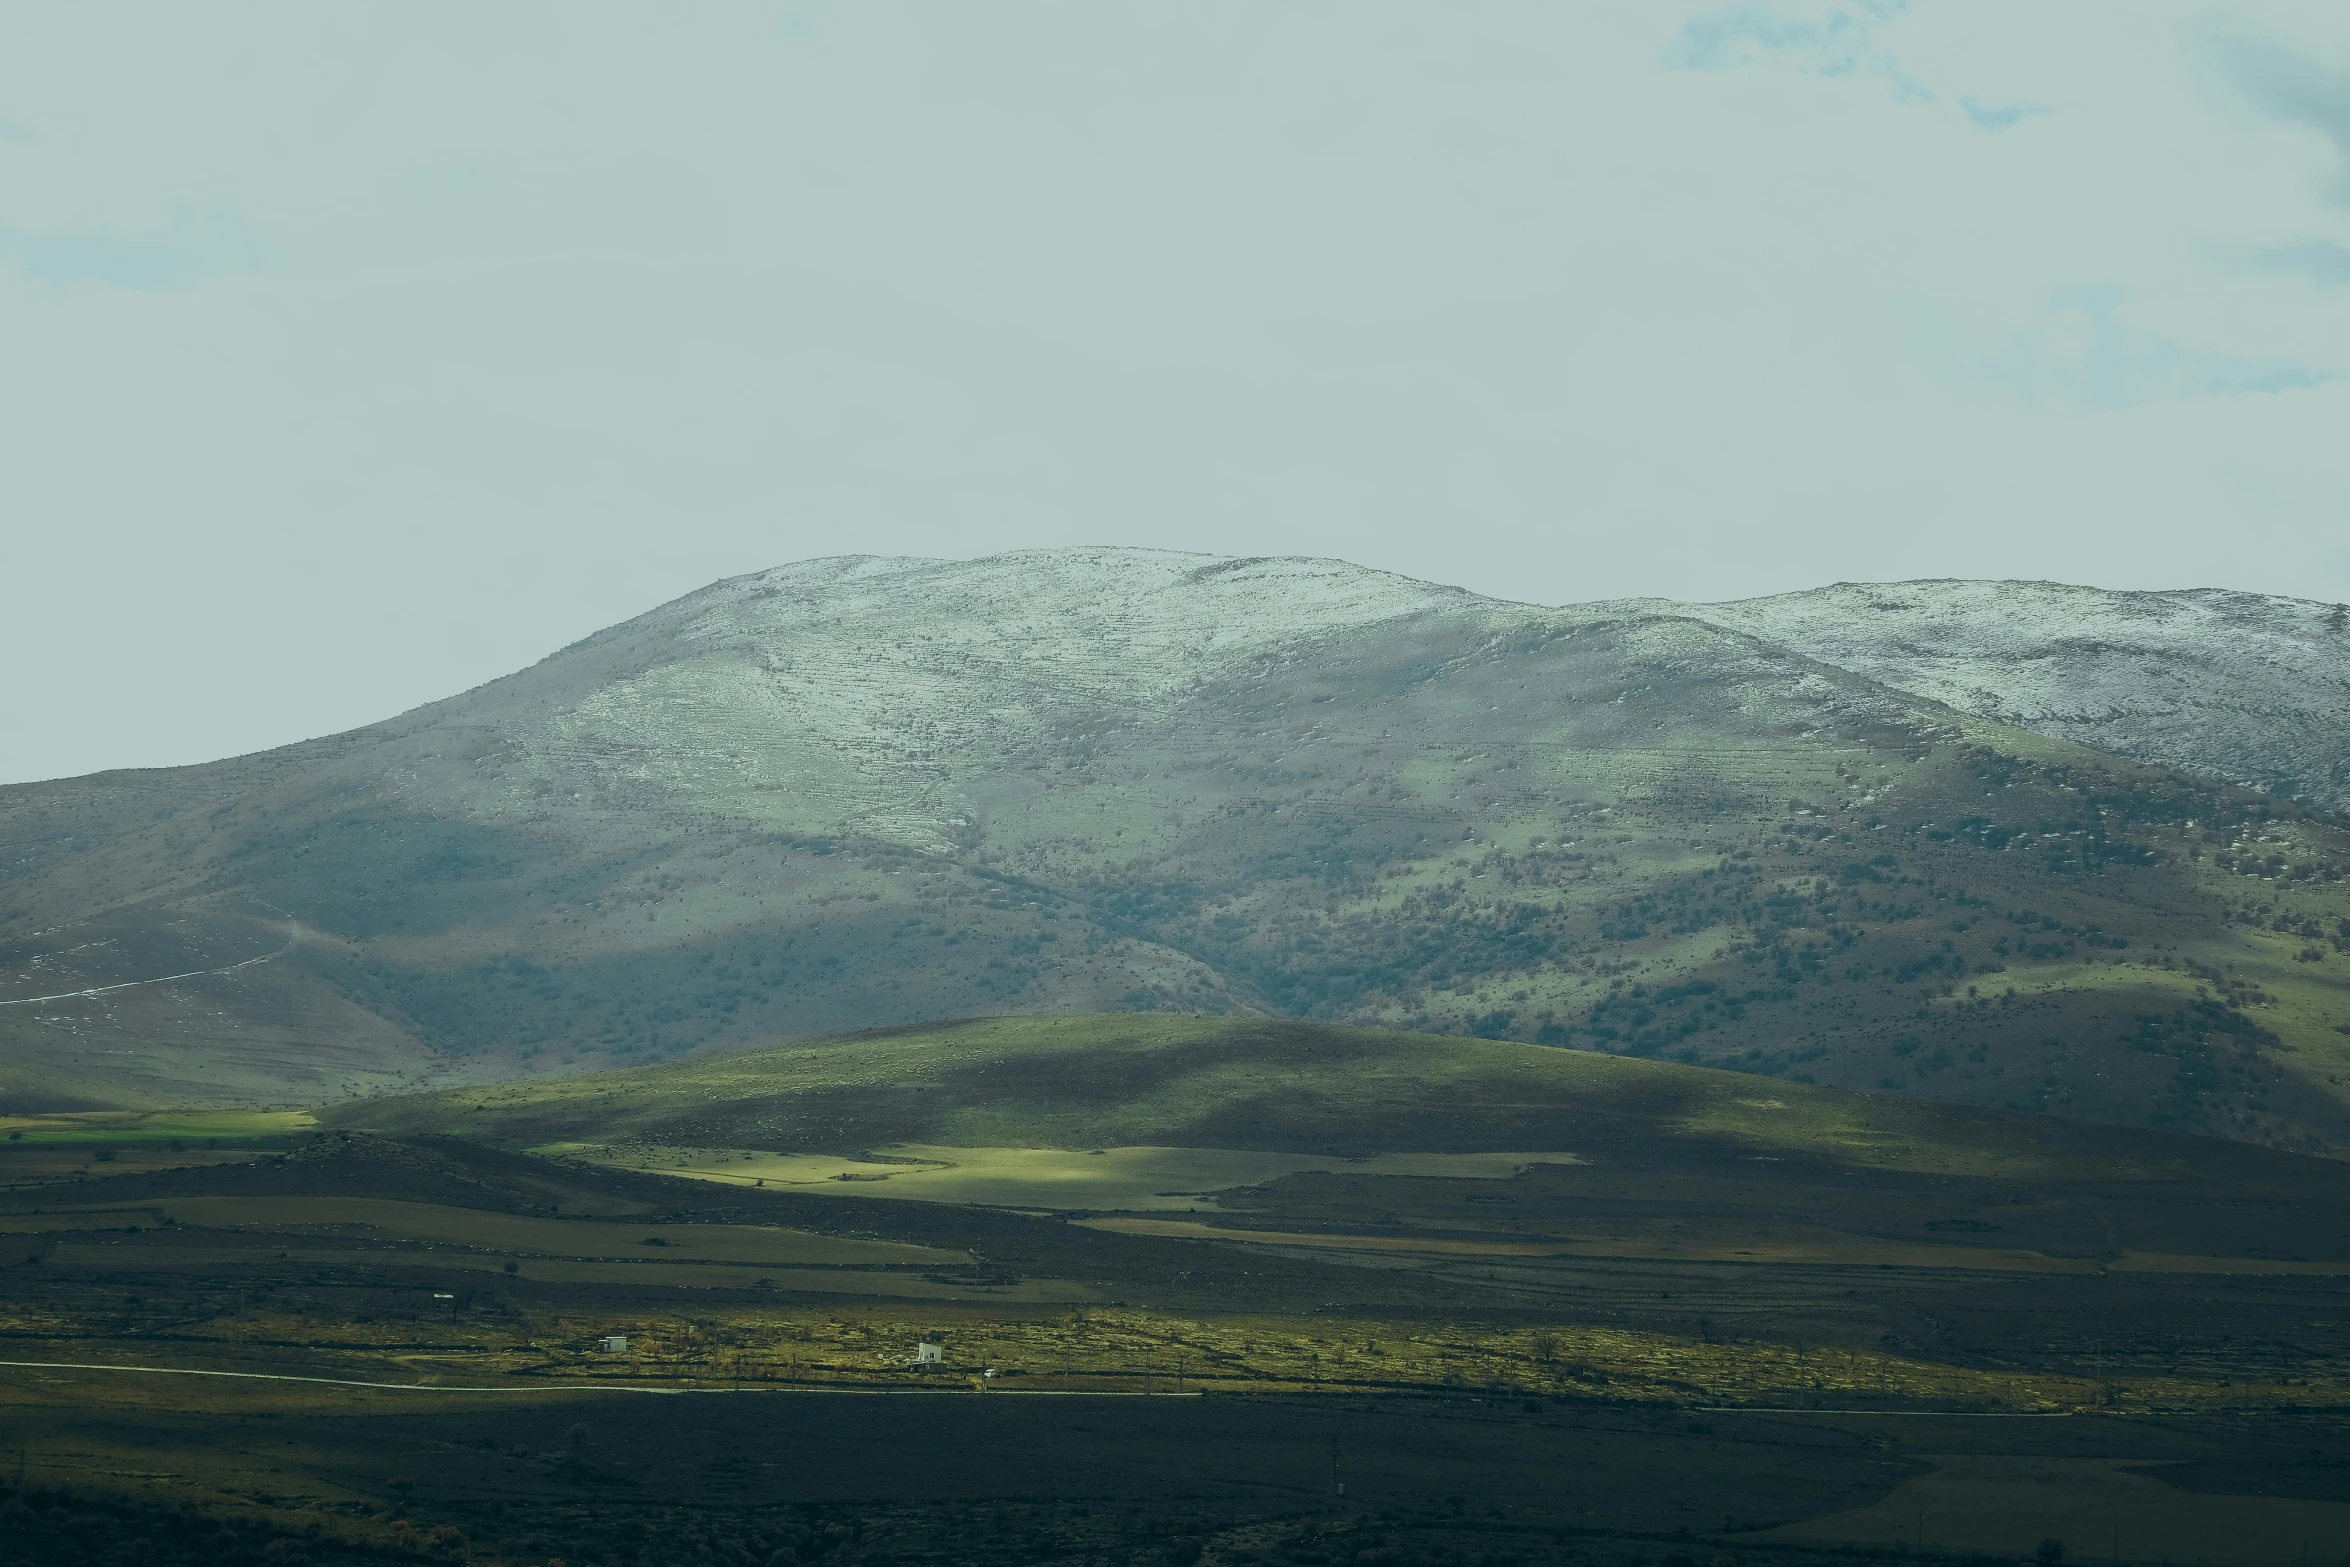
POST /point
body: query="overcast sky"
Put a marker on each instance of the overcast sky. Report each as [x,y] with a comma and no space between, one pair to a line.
[352,355]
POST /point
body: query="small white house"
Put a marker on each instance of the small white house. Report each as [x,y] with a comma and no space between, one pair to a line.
[928,1353]
[613,1343]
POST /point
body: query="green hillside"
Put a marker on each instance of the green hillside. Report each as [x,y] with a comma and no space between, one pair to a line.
[1248,1084]
[1442,1157]
[792,808]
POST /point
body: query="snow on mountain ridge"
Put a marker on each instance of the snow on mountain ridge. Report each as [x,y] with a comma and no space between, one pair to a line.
[861,692]
[856,689]
[2252,688]
[1086,610]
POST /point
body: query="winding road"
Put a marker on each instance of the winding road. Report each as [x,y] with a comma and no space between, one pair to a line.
[293,939]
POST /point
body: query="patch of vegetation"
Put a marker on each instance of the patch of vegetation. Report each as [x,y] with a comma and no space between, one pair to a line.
[1084,1082]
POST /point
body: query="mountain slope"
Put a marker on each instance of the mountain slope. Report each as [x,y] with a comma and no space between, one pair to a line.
[2245,687]
[862,793]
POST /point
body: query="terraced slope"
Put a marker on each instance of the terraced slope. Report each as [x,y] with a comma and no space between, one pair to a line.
[865,793]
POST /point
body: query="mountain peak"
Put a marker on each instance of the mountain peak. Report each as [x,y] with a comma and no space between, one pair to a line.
[868,791]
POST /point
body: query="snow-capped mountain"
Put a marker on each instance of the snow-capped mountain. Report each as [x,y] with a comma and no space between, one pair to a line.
[2241,686]
[859,693]
[1796,835]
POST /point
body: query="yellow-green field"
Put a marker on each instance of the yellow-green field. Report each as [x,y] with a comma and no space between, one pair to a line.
[1129,1179]
[497,1233]
[1704,1257]
[1036,1084]
[448,1269]
[1046,1347]
[1699,1247]
[130,1129]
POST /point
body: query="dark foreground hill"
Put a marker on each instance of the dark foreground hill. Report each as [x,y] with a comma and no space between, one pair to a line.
[1372,1133]
[862,793]
[1274,1086]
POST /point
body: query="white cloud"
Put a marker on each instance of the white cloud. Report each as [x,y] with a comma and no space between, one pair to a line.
[1818,40]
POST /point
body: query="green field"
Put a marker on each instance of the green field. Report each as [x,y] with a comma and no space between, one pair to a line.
[1242,1085]
[131,1129]
[1043,1178]
[1745,1316]
[492,1233]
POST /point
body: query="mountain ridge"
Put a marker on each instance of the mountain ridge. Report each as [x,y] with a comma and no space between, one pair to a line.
[2320,775]
[2250,688]
[872,791]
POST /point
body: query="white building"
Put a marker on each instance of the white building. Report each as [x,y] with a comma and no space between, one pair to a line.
[927,1353]
[613,1343]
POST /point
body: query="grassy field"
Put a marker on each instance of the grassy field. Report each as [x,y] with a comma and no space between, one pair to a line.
[1549,1464]
[1235,1084]
[435,1224]
[1128,1179]
[1738,1249]
[170,1129]
[1426,1255]
[1705,1316]
[1776,1228]
[40,1149]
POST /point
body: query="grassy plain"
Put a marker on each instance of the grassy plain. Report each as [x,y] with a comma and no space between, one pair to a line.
[172,1128]
[1127,1179]
[1697,1320]
[1331,1256]
[1243,1085]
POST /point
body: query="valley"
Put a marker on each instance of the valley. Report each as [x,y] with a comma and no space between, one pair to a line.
[1746,1315]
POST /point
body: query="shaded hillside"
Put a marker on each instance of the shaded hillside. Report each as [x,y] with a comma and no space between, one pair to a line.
[864,793]
[1606,1157]
[1250,1083]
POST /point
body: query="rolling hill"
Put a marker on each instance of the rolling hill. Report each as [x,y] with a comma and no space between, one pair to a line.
[1259,1085]
[449,1309]
[868,793]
